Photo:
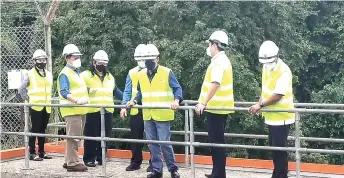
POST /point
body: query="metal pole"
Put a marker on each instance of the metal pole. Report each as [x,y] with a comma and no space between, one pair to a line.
[26,138]
[56,115]
[48,47]
[297,144]
[102,135]
[192,148]
[186,137]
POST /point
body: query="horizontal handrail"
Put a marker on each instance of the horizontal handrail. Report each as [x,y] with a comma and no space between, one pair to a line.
[311,139]
[196,144]
[245,103]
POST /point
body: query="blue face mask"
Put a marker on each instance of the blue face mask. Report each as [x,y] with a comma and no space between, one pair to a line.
[150,64]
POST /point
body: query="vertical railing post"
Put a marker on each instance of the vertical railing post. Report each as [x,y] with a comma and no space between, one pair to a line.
[297,144]
[26,138]
[186,136]
[102,134]
[192,139]
[56,119]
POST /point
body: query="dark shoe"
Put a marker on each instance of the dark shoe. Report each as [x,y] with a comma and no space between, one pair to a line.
[77,168]
[149,169]
[208,175]
[64,165]
[175,174]
[35,157]
[90,164]
[132,167]
[45,156]
[154,175]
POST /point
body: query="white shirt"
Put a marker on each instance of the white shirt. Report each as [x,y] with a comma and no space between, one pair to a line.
[281,87]
[221,63]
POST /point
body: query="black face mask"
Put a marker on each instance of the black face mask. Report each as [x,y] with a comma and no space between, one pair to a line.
[150,65]
[41,65]
[101,68]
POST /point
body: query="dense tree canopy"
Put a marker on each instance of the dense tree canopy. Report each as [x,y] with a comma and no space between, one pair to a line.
[310,36]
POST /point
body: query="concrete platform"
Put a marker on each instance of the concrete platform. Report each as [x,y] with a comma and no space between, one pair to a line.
[115,168]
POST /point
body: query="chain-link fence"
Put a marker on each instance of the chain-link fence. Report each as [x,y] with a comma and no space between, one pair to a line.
[19,39]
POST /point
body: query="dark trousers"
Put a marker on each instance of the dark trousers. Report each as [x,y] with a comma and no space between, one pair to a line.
[136,132]
[278,137]
[39,122]
[93,149]
[216,130]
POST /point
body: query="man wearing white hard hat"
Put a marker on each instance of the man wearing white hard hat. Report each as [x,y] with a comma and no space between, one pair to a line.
[72,90]
[217,91]
[36,88]
[136,118]
[157,86]
[277,93]
[101,88]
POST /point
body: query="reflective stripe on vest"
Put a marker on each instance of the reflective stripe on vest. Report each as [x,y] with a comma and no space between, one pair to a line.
[78,90]
[39,89]
[133,74]
[223,97]
[269,80]
[104,93]
[156,93]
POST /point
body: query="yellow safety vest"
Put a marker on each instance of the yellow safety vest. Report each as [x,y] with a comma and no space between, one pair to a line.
[156,93]
[77,88]
[133,74]
[269,80]
[39,89]
[104,93]
[223,97]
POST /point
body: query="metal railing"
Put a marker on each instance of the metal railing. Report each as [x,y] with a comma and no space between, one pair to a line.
[189,132]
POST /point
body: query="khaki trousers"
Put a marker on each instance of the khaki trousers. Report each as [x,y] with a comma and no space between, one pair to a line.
[74,126]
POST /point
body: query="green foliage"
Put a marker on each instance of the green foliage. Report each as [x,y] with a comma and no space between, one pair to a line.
[310,36]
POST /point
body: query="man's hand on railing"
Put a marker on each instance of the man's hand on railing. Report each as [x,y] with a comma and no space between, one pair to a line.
[81,101]
[130,104]
[254,109]
[123,113]
[175,105]
[200,108]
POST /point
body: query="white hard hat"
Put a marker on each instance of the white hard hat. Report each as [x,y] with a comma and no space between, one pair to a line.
[268,52]
[101,55]
[71,49]
[39,54]
[152,52]
[140,52]
[219,36]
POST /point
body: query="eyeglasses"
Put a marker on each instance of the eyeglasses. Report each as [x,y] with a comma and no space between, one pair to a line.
[101,63]
[41,60]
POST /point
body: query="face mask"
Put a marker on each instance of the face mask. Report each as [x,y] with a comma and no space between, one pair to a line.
[150,65]
[77,63]
[41,65]
[270,65]
[100,68]
[209,52]
[141,64]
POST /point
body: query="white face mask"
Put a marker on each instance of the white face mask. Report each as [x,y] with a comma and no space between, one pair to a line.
[141,64]
[270,65]
[77,63]
[209,52]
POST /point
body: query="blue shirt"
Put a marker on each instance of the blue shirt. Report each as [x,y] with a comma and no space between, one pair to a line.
[172,81]
[64,85]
